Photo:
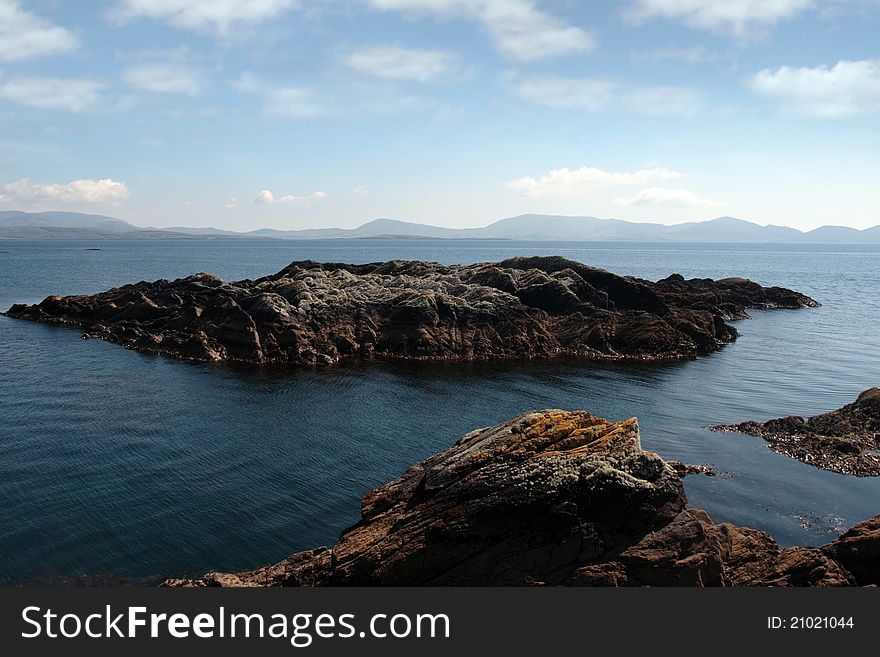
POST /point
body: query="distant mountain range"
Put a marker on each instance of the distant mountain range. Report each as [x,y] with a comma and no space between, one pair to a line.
[70,225]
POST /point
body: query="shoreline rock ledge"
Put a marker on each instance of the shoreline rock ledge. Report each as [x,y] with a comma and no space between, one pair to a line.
[846,440]
[316,313]
[555,498]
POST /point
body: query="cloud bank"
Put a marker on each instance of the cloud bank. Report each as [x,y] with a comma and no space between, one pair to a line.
[218,16]
[72,94]
[574,182]
[737,17]
[78,191]
[395,63]
[266,197]
[659,196]
[164,78]
[24,35]
[597,94]
[518,28]
[843,90]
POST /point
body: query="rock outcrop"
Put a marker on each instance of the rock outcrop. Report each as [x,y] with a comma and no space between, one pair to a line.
[846,440]
[323,313]
[554,498]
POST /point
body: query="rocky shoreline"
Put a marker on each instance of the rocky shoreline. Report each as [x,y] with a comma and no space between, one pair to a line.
[846,440]
[555,498]
[323,313]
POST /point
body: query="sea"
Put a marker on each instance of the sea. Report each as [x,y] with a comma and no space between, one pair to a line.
[120,467]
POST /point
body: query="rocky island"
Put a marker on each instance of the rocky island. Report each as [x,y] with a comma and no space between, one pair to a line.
[312,313]
[846,440]
[555,498]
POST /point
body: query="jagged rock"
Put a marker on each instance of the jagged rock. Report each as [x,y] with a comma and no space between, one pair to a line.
[796,567]
[859,551]
[689,551]
[322,313]
[553,498]
[846,440]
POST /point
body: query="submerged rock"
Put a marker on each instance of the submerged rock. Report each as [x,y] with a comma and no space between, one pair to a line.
[554,498]
[322,313]
[846,440]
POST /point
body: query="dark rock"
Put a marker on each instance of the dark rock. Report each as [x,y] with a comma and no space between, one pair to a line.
[732,296]
[324,312]
[554,498]
[846,440]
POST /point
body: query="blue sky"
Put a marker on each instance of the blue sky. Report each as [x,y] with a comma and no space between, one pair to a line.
[309,113]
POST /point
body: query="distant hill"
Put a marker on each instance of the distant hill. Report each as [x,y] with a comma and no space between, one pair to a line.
[70,225]
[729,229]
[376,228]
[67,219]
[74,226]
[835,234]
[553,227]
[38,225]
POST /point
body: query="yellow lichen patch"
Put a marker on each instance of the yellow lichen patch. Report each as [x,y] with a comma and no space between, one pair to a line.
[621,436]
[554,432]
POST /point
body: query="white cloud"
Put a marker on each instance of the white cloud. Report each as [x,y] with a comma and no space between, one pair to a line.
[77,191]
[164,78]
[217,16]
[589,94]
[575,182]
[266,197]
[737,17]
[397,63]
[70,94]
[518,28]
[659,196]
[357,99]
[294,102]
[360,189]
[280,101]
[231,203]
[594,94]
[844,90]
[24,35]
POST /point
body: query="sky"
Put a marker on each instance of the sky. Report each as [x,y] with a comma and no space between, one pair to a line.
[298,114]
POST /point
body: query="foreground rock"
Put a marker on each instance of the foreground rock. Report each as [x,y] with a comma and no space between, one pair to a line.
[554,498]
[323,313]
[846,440]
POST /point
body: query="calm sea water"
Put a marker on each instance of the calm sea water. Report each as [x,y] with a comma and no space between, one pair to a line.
[117,464]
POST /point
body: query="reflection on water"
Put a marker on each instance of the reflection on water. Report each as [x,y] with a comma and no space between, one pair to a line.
[119,463]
